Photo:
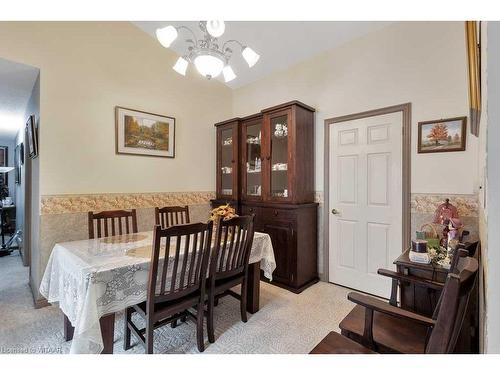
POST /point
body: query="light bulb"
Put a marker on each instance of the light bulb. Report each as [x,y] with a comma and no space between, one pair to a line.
[181,66]
[250,56]
[166,35]
[228,73]
[216,28]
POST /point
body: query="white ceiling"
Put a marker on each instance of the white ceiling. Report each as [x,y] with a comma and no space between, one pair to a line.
[16,83]
[280,43]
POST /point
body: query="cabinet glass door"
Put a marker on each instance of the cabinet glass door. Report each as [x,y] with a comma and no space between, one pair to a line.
[226,161]
[253,160]
[279,156]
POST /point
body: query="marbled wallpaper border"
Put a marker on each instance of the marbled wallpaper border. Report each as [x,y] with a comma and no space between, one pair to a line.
[467,204]
[74,203]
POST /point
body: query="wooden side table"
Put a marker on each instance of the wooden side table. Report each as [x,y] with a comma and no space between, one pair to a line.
[423,300]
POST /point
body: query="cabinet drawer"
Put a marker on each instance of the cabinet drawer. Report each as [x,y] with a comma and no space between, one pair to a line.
[271,214]
[251,210]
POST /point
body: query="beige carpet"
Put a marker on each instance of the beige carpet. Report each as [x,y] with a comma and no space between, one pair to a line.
[286,322]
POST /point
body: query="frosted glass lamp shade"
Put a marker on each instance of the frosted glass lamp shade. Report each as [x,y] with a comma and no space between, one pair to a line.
[250,56]
[166,35]
[228,73]
[181,66]
[208,65]
[216,28]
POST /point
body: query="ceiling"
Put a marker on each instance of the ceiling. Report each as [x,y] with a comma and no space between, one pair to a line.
[17,81]
[280,44]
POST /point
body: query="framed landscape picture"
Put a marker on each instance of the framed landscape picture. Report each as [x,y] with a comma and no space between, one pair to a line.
[144,133]
[442,135]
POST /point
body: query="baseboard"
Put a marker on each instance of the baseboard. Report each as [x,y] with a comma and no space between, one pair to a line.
[40,301]
[288,287]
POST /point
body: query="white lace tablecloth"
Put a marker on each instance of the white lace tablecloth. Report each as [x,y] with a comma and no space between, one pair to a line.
[92,278]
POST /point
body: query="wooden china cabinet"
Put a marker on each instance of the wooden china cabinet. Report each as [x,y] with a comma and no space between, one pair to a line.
[228,135]
[265,167]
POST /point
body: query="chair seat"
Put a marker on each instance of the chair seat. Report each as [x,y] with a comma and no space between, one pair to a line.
[334,343]
[222,285]
[168,308]
[392,335]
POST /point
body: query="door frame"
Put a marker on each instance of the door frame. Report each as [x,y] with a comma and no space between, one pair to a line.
[405,109]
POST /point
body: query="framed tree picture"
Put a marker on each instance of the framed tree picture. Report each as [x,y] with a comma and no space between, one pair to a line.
[442,135]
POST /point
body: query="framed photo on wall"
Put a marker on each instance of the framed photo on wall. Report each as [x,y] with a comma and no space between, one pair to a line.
[144,133]
[32,137]
[442,135]
[4,162]
[19,161]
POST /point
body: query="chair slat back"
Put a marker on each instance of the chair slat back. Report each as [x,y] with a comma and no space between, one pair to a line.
[179,261]
[232,248]
[172,215]
[453,306]
[112,223]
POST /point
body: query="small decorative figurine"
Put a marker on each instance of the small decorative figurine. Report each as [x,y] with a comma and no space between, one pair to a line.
[445,211]
[443,214]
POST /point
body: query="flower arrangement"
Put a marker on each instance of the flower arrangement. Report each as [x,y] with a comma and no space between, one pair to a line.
[223,212]
[439,256]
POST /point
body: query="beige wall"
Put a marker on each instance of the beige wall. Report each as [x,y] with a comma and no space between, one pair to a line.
[87,68]
[482,158]
[421,63]
[491,157]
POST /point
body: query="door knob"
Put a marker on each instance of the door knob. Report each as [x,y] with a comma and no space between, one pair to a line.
[335,211]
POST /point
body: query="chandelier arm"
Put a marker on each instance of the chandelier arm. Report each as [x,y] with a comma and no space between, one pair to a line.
[232,41]
[195,39]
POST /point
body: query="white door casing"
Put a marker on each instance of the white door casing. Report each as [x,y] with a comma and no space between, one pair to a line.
[365,187]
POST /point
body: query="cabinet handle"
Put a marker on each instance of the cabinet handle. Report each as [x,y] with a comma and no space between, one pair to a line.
[268,157]
[251,210]
[275,213]
[232,161]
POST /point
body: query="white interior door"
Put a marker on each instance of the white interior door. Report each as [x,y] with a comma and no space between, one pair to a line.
[366,196]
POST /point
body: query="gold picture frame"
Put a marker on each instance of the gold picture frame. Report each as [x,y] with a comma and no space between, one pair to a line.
[144,133]
[473,43]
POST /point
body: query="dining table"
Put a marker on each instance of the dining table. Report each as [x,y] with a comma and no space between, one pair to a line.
[91,280]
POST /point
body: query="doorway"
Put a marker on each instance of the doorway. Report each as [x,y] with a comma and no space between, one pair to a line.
[19,104]
[367,196]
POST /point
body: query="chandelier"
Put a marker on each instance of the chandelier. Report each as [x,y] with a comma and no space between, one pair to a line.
[207,55]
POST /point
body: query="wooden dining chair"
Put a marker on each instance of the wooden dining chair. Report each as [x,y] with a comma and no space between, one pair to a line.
[374,325]
[112,223]
[229,265]
[172,215]
[177,282]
